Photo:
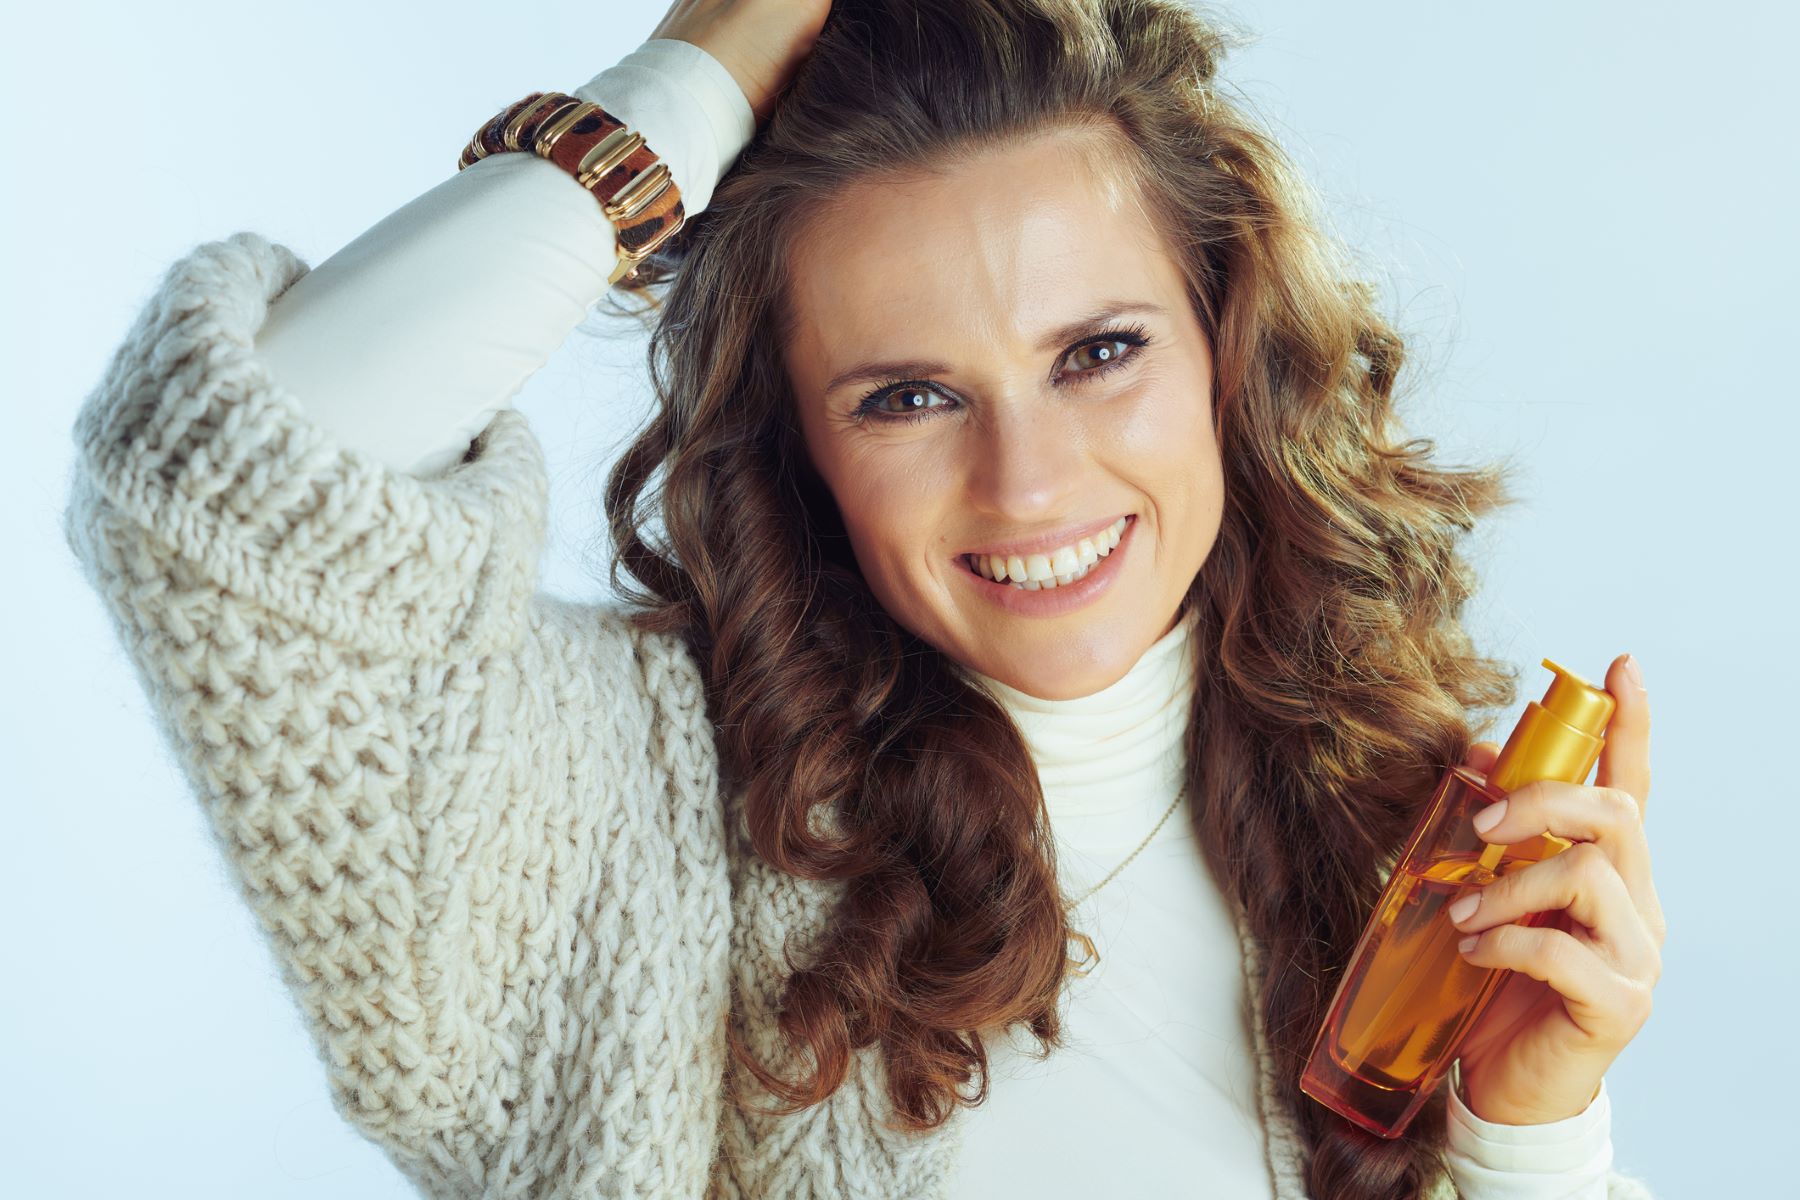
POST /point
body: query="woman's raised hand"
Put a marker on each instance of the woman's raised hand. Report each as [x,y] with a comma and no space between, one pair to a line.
[1583,978]
[761,42]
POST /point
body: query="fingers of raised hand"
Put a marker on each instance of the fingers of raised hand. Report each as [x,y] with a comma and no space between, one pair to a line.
[1570,810]
[1583,881]
[1606,817]
[1606,1002]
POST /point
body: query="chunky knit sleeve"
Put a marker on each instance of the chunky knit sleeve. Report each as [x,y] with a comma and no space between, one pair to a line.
[190,440]
[478,826]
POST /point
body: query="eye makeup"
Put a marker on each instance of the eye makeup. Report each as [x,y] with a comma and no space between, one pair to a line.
[869,406]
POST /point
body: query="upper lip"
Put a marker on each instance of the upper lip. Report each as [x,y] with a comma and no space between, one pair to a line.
[1068,535]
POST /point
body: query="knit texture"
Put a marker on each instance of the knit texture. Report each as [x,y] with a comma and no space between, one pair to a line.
[481,827]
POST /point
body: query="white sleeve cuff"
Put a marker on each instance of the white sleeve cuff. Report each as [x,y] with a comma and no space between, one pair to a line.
[1559,1160]
[687,106]
[406,343]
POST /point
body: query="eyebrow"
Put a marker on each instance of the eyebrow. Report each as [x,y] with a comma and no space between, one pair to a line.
[1054,339]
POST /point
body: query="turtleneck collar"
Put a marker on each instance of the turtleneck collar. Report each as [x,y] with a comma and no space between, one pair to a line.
[1108,758]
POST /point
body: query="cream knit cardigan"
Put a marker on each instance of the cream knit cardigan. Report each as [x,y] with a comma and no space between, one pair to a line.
[480,826]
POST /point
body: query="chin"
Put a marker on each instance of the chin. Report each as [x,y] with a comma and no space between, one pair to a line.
[1092,667]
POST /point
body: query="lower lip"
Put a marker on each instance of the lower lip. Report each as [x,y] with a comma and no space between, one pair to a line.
[1053,602]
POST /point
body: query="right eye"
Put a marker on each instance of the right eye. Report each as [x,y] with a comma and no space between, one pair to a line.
[914,398]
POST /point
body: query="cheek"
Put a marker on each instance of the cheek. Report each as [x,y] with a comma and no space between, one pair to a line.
[890,505]
[1162,434]
[888,495]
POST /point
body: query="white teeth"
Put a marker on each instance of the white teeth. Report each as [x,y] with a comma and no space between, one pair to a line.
[1060,567]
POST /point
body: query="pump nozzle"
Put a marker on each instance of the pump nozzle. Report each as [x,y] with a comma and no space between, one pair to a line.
[1558,737]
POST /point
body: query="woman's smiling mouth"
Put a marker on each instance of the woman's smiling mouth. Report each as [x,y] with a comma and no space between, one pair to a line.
[1056,579]
[1053,566]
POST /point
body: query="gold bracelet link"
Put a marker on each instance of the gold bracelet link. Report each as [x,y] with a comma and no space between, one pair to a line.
[606,154]
[634,196]
[560,124]
[515,128]
[554,115]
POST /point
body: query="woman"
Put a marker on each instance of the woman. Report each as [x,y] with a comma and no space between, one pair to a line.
[757,886]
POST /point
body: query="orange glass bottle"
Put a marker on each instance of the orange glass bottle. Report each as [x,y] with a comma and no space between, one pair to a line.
[1408,996]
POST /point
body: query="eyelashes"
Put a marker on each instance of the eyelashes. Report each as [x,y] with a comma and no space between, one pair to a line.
[869,407]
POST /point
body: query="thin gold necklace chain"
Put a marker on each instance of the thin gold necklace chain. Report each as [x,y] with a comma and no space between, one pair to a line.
[1170,812]
[1092,955]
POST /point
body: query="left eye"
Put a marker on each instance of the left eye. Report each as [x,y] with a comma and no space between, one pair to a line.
[1104,352]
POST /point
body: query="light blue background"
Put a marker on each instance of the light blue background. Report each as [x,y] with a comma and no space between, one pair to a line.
[1583,218]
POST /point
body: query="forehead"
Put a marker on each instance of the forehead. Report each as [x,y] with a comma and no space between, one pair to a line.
[992,250]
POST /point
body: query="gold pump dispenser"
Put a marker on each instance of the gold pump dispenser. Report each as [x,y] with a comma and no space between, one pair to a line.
[1558,737]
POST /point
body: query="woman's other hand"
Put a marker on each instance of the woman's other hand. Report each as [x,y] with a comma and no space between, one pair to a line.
[1582,981]
[761,42]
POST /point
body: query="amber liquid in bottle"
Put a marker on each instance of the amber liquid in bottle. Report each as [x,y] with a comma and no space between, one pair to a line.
[1395,1023]
[1408,996]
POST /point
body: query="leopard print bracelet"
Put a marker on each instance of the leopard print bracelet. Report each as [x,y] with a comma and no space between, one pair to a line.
[633,185]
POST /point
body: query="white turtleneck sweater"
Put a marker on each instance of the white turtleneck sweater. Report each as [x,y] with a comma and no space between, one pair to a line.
[1158,1083]
[406,342]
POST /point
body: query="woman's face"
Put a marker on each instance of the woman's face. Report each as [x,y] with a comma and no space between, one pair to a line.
[1031,425]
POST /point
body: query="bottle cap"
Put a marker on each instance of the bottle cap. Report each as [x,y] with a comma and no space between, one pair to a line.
[1559,737]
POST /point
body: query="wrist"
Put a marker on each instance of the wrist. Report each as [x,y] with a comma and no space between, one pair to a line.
[1542,1108]
[686,107]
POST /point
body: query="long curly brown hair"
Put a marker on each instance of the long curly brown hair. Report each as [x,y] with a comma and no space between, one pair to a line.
[1335,681]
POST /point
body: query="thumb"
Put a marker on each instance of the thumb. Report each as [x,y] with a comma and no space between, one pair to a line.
[1625,757]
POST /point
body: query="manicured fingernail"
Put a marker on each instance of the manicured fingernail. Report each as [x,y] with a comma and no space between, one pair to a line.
[1488,817]
[1468,943]
[1465,908]
[1632,669]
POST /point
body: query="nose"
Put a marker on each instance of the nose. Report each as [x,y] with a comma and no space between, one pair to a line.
[1026,466]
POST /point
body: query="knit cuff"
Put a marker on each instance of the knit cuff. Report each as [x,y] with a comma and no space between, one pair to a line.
[190,437]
